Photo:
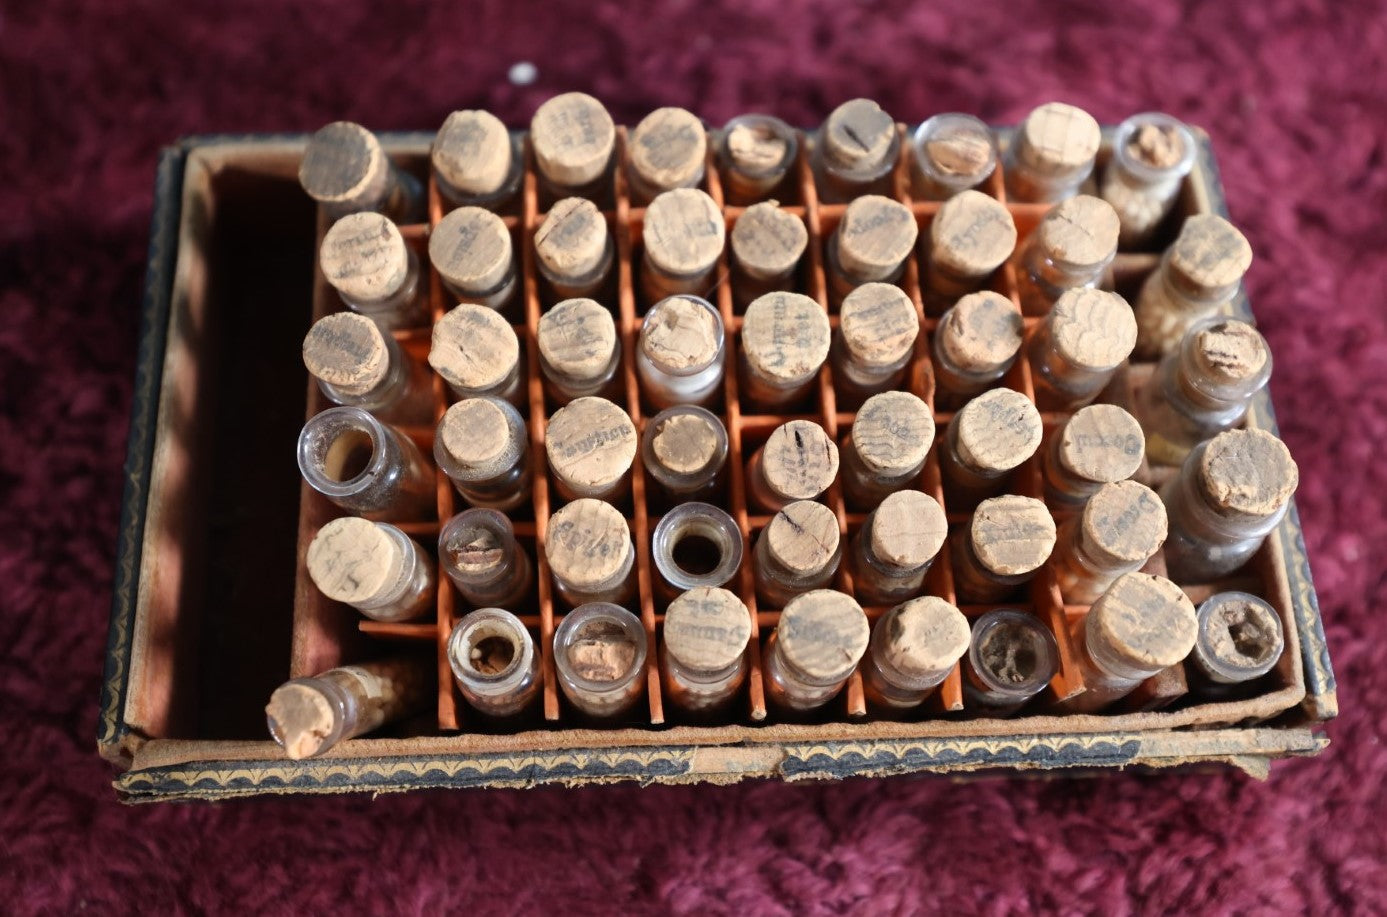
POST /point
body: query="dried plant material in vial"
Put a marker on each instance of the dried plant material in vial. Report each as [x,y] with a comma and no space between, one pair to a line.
[1198,275]
[684,449]
[1011,659]
[1079,346]
[365,466]
[798,551]
[1119,529]
[373,567]
[953,153]
[474,161]
[573,248]
[591,443]
[472,252]
[683,235]
[798,462]
[992,435]
[767,245]
[1006,541]
[1070,249]
[482,446]
[784,341]
[600,651]
[896,547]
[494,662]
[479,553]
[357,365]
[914,647]
[1151,155]
[346,171]
[365,259]
[854,152]
[1240,639]
[573,139]
[667,150]
[873,241]
[704,648]
[756,152]
[591,556]
[969,238]
[1100,444]
[679,356]
[579,353]
[477,353]
[1051,154]
[891,436]
[877,329]
[817,644]
[308,716]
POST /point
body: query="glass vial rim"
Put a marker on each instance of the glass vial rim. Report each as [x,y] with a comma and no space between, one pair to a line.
[1206,659]
[709,522]
[680,481]
[521,662]
[782,131]
[1198,381]
[568,628]
[720,334]
[1142,171]
[339,701]
[1021,691]
[496,523]
[932,126]
[317,439]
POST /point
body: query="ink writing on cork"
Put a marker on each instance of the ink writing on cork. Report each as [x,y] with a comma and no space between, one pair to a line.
[1007,539]
[767,244]
[477,353]
[817,644]
[591,443]
[886,449]
[374,567]
[969,238]
[798,462]
[574,139]
[1119,529]
[579,353]
[798,551]
[683,236]
[974,344]
[355,364]
[1070,249]
[590,553]
[346,170]
[574,250]
[366,260]
[896,546]
[855,151]
[1198,275]
[872,243]
[475,161]
[1079,346]
[784,341]
[1100,444]
[876,336]
[986,440]
[667,151]
[482,446]
[471,250]
[704,648]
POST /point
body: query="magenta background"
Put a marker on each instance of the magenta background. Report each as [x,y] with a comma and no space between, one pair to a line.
[1293,96]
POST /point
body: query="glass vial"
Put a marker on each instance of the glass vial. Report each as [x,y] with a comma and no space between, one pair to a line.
[704,649]
[988,439]
[1119,530]
[755,153]
[1078,347]
[475,161]
[1069,250]
[482,446]
[1199,274]
[590,553]
[885,452]
[872,242]
[477,353]
[373,567]
[591,443]
[679,355]
[345,170]
[599,652]
[573,249]
[356,365]
[895,548]
[684,451]
[1231,491]
[366,467]
[308,716]
[952,153]
[1151,155]
[1011,659]
[1100,444]
[855,151]
[471,250]
[767,244]
[798,462]
[1006,541]
[974,345]
[695,544]
[668,150]
[1051,154]
[969,238]
[479,553]
[573,139]
[683,236]
[797,552]
[877,328]
[913,649]
[579,353]
[494,662]
[366,260]
[1240,639]
[815,648]
[784,341]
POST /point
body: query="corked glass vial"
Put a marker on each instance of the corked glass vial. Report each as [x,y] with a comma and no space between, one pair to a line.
[1051,154]
[356,365]
[953,152]
[1239,639]
[345,170]
[682,236]
[599,652]
[1151,155]
[479,553]
[895,548]
[1079,346]
[969,238]
[591,443]
[366,260]
[1117,532]
[797,552]
[1203,388]
[1007,540]
[695,544]
[986,440]
[1231,491]
[1070,249]
[373,567]
[476,352]
[494,662]
[767,244]
[482,446]
[573,140]
[1010,660]
[668,150]
[814,649]
[855,151]
[886,449]
[579,352]
[703,652]
[684,451]
[785,339]
[1199,274]
[471,250]
[755,153]
[974,344]
[1100,444]
[573,249]
[679,354]
[914,647]
[590,552]
[872,242]
[475,161]
[308,716]
[365,466]
[798,462]
[877,328]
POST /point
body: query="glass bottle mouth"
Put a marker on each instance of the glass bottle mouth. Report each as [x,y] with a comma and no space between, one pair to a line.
[1237,644]
[345,450]
[490,646]
[954,125]
[768,125]
[1012,654]
[606,623]
[466,528]
[670,478]
[1144,171]
[697,544]
[719,334]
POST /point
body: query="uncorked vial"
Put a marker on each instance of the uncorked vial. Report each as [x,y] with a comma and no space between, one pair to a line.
[886,449]
[798,462]
[471,250]
[797,552]
[1203,388]
[1006,541]
[704,648]
[479,553]
[974,344]
[1079,346]
[494,662]
[1231,491]
[873,241]
[755,153]
[373,567]
[1070,249]
[591,443]
[1010,660]
[356,365]
[877,328]
[1199,274]
[1240,639]
[1117,532]
[767,245]
[366,467]
[969,238]
[953,153]
[1140,626]
[590,553]
[855,151]
[599,652]
[990,437]
[1100,444]
[573,249]
[476,352]
[684,451]
[573,139]
[482,446]
[1051,154]
[308,716]
[913,649]
[814,649]
[683,236]
[346,171]
[366,260]
[895,548]
[784,341]
[695,544]
[579,352]
[679,355]
[668,150]
[1151,155]
[475,162]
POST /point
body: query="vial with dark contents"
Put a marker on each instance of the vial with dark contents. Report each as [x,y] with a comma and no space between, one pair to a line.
[494,662]
[365,466]
[477,353]
[574,251]
[479,553]
[974,344]
[815,648]
[599,652]
[895,548]
[476,162]
[695,544]
[855,151]
[471,250]
[1011,659]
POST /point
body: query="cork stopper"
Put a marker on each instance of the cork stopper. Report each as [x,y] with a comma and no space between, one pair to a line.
[343,163]
[1102,443]
[707,629]
[1012,535]
[858,135]
[347,351]
[364,257]
[471,249]
[958,146]
[680,334]
[892,433]
[785,337]
[1057,138]
[473,348]
[1124,523]
[588,543]
[1145,621]
[1157,146]
[876,235]
[590,443]
[1247,473]
[1092,329]
[997,431]
[303,719]
[668,149]
[683,232]
[1239,635]
[972,234]
[573,239]
[1209,253]
[981,332]
[477,435]
[685,443]
[1230,352]
[925,636]
[799,461]
[352,560]
[577,338]
[756,149]
[768,241]
[802,537]
[1081,232]
[879,324]
[823,634]
[908,529]
[472,152]
[572,137]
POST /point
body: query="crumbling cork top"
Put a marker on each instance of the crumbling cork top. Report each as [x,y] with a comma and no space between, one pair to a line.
[1209,253]
[668,148]
[799,461]
[756,149]
[364,257]
[892,433]
[577,337]
[352,559]
[1159,146]
[573,238]
[1058,138]
[683,232]
[876,235]
[601,649]
[588,542]
[341,162]
[1102,443]
[1230,352]
[707,628]
[823,633]
[997,430]
[1093,329]
[472,152]
[1145,620]
[1012,535]
[1124,523]
[879,324]
[347,351]
[478,435]
[785,337]
[981,332]
[476,547]
[1081,231]
[572,137]
[1247,473]
[590,443]
[803,536]
[471,249]
[925,636]
[1239,632]
[972,234]
[768,241]
[908,529]
[857,135]
[960,148]
[301,718]
[685,443]
[473,348]
[680,334]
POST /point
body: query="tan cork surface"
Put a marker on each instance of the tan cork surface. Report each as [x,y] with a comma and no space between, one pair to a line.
[1124,523]
[590,443]
[1247,473]
[925,636]
[823,633]
[683,232]
[472,152]
[1148,621]
[471,249]
[587,543]
[572,137]
[1012,535]
[857,134]
[803,536]
[972,234]
[347,351]
[680,334]
[960,151]
[768,241]
[908,529]
[352,559]
[341,161]
[707,628]
[1093,329]
[577,337]
[1058,138]
[364,257]
[1159,146]
[756,150]
[668,148]
[1230,352]
[879,324]
[997,430]
[573,238]
[893,432]
[1209,253]
[981,332]
[1081,231]
[876,235]
[1102,443]
[476,434]
[303,718]
[785,337]
[601,651]
[473,348]
[799,461]
[1239,634]
[684,443]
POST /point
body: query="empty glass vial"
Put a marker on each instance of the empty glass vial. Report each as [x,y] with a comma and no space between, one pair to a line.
[1100,444]
[1203,388]
[1051,154]
[1240,639]
[895,548]
[490,569]
[953,153]
[591,443]
[482,446]
[989,438]
[885,452]
[470,248]
[1006,541]
[1078,347]
[1231,491]
[1199,274]
[573,249]
[373,567]
[784,341]
[573,139]
[695,544]
[798,462]
[477,353]
[494,662]
[365,467]
[679,355]
[798,551]
[817,644]
[308,716]
[579,353]
[357,365]
[599,652]
[767,244]
[974,345]
[683,237]
[1151,155]
[913,649]
[877,329]
[346,171]
[1070,249]
[476,162]
[667,150]
[855,151]
[1119,529]
[755,153]
[969,238]
[366,260]
[684,451]
[704,648]
[1011,659]
[872,243]
[590,553]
